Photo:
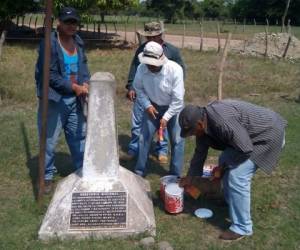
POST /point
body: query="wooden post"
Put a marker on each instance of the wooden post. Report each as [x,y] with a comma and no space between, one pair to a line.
[218,35]
[220,81]
[285,14]
[244,33]
[2,39]
[135,30]
[267,37]
[183,37]
[201,35]
[35,22]
[287,46]
[44,101]
[94,28]
[30,21]
[125,31]
[235,25]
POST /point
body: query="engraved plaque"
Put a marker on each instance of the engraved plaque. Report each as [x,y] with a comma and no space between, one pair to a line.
[98,210]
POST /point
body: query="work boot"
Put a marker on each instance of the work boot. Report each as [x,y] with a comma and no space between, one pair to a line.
[229,236]
[163,159]
[48,186]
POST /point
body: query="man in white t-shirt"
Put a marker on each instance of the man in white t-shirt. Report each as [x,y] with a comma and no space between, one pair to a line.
[160,90]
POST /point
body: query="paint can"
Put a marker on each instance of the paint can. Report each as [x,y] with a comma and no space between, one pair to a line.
[164,181]
[208,171]
[173,198]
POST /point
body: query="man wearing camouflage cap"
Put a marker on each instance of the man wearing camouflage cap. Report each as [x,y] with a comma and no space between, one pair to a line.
[153,31]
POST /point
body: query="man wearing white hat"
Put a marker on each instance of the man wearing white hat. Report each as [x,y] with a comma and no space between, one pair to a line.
[153,31]
[160,90]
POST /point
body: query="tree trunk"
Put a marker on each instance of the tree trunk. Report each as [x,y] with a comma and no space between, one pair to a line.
[102,15]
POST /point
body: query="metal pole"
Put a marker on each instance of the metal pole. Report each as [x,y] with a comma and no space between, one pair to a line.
[46,72]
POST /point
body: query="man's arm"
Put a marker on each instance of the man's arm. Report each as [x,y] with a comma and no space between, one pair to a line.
[199,157]
[133,68]
[139,88]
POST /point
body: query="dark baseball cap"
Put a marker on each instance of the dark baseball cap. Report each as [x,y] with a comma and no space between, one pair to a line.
[68,13]
[189,117]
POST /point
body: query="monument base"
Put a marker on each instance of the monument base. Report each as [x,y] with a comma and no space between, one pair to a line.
[124,203]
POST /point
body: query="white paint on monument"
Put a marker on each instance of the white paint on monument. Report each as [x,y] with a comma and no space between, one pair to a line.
[120,205]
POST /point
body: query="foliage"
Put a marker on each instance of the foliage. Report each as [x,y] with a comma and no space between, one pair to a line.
[99,6]
[271,9]
[10,9]
[214,8]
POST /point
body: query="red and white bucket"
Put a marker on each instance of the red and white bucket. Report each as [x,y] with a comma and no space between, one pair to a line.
[173,198]
[164,181]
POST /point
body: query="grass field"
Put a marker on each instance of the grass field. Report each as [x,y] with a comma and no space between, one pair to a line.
[275,199]
[239,30]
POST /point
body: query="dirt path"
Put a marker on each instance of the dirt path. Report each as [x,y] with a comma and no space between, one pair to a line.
[190,42]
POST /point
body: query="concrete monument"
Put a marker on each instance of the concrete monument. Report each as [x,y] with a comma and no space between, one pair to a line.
[102,199]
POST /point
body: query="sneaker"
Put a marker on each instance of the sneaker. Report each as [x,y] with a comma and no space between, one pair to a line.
[229,236]
[163,159]
[48,186]
[126,157]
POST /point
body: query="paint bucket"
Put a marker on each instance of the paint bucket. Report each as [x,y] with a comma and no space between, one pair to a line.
[208,171]
[173,198]
[164,181]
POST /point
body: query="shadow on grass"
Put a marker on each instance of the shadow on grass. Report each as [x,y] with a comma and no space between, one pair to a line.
[220,211]
[63,163]
[153,166]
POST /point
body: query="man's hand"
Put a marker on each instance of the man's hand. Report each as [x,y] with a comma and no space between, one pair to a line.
[217,173]
[80,90]
[131,95]
[152,112]
[163,123]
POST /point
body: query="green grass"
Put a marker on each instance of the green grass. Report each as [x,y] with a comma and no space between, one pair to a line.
[275,199]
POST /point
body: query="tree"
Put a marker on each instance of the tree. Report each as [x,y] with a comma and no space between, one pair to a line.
[214,8]
[10,9]
[107,6]
[102,6]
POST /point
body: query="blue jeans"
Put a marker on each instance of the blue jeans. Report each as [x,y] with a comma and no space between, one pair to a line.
[237,193]
[161,147]
[149,127]
[64,115]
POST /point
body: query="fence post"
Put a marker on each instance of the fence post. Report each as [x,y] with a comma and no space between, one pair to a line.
[287,46]
[244,33]
[125,31]
[183,37]
[201,34]
[135,30]
[220,80]
[218,35]
[267,37]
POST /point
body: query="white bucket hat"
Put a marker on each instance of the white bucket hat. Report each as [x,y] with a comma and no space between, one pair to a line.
[153,54]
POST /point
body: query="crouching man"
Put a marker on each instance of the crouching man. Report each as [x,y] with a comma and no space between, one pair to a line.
[250,137]
[160,90]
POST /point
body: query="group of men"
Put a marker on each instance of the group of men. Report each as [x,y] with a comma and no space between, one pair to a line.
[248,135]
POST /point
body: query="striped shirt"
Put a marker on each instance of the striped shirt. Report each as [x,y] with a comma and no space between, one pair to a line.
[254,132]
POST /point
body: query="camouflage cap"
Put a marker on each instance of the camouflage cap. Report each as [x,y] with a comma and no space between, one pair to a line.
[152,29]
